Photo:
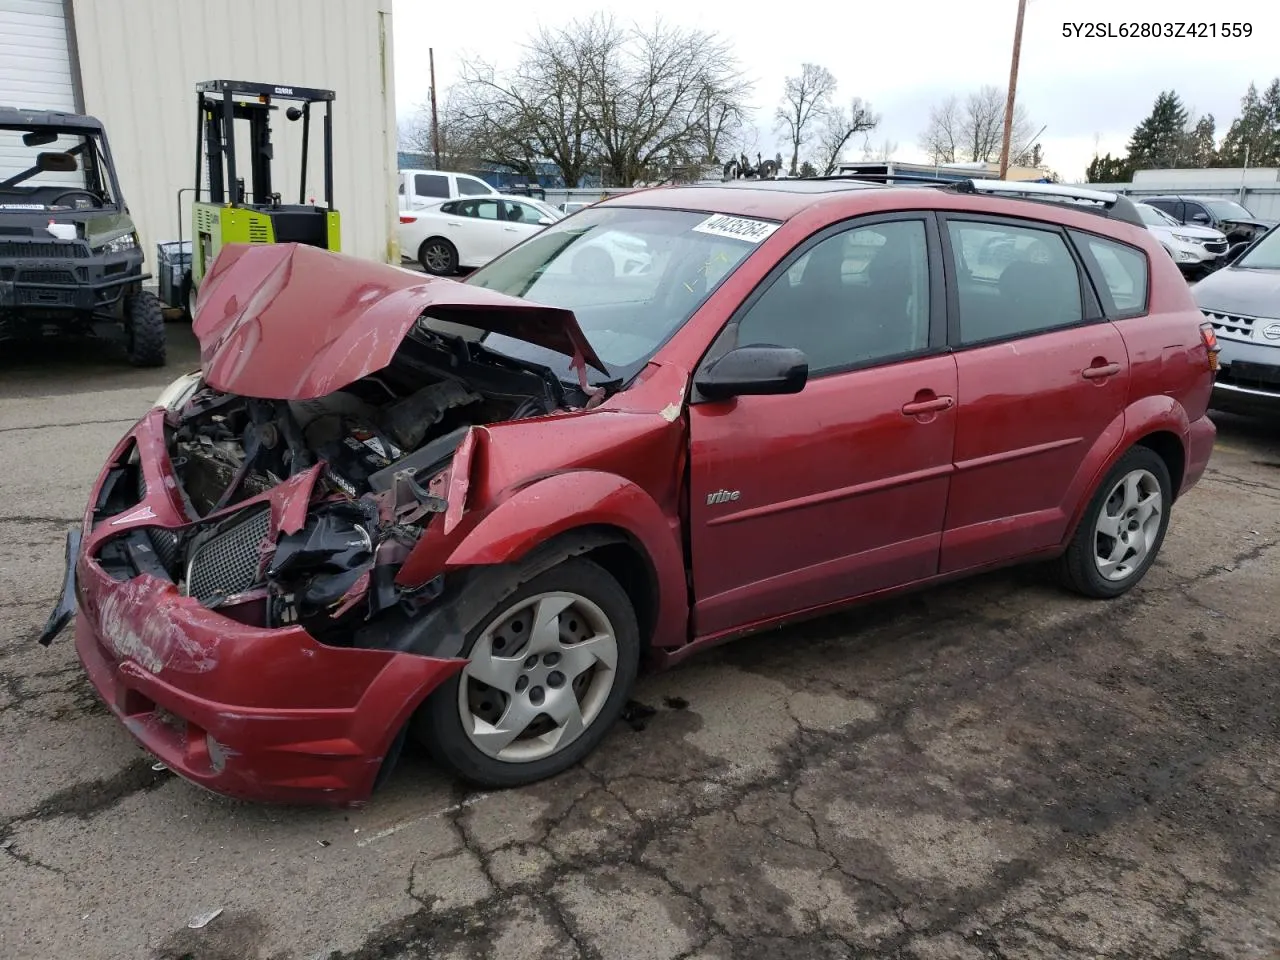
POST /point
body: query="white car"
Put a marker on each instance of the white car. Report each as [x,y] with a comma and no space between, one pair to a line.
[1196,250]
[469,232]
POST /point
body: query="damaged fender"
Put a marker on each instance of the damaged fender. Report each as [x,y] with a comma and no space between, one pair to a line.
[582,499]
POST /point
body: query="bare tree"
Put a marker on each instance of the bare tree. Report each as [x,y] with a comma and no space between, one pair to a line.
[805,99]
[666,99]
[840,125]
[455,147]
[972,131]
[639,103]
[941,138]
[882,152]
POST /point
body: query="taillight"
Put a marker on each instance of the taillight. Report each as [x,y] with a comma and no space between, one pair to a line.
[1210,338]
[404,219]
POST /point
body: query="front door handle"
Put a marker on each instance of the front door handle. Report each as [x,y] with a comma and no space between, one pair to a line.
[1100,371]
[453,223]
[918,408]
[509,229]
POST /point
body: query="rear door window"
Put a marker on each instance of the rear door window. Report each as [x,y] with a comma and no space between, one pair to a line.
[471,187]
[1012,281]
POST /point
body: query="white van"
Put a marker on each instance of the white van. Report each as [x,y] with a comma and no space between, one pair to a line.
[430,186]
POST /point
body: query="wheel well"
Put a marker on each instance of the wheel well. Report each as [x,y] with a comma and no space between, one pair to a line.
[1169,448]
[625,560]
[434,236]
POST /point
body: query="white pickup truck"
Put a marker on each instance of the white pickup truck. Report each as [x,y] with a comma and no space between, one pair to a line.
[429,186]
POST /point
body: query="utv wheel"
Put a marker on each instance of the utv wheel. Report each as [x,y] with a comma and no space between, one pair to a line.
[1123,528]
[144,329]
[438,257]
[551,668]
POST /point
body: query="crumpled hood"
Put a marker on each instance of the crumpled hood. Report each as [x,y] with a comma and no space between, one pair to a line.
[293,322]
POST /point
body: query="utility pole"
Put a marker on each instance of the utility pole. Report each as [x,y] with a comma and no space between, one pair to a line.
[435,123]
[1013,86]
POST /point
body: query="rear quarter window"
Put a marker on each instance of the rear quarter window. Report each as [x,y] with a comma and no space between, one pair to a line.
[1123,273]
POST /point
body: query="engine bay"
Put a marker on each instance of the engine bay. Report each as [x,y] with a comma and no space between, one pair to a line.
[378,442]
[229,448]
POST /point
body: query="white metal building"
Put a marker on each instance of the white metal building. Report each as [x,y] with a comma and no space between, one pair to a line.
[134,65]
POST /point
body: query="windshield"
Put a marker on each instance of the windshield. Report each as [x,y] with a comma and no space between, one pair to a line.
[631,276]
[1227,210]
[1153,217]
[1265,254]
[41,167]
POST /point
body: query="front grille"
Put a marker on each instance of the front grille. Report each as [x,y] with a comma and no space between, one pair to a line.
[230,562]
[1216,246]
[35,248]
[48,276]
[1232,325]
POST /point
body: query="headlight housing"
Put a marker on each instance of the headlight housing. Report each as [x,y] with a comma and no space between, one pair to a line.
[1183,238]
[128,241]
[176,394]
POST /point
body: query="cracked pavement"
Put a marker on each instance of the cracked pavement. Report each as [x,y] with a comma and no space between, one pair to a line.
[992,769]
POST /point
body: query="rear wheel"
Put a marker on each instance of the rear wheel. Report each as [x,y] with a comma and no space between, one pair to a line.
[438,257]
[1123,528]
[144,330]
[550,670]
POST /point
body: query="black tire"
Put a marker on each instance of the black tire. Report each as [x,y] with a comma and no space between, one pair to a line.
[438,257]
[144,330]
[1077,569]
[438,723]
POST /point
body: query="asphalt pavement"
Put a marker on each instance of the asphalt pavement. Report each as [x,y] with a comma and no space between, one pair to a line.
[991,769]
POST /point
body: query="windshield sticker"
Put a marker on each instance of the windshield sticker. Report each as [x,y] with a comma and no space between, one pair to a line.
[736,228]
[22,206]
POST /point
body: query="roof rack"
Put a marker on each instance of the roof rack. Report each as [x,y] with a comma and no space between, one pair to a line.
[1104,203]
[1113,205]
[909,178]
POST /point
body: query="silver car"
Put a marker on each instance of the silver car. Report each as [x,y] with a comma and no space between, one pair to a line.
[1242,301]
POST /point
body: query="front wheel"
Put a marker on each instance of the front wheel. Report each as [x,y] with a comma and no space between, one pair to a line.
[438,257]
[1123,528]
[549,672]
[144,329]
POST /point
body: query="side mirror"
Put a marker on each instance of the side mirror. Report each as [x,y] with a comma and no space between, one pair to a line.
[1200,218]
[756,370]
[545,221]
[56,163]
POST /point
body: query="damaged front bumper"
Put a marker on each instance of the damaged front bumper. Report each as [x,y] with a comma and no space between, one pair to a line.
[257,713]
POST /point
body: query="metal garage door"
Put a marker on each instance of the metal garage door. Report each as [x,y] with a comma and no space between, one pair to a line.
[35,61]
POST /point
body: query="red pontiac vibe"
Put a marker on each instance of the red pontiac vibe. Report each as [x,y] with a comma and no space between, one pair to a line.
[468,512]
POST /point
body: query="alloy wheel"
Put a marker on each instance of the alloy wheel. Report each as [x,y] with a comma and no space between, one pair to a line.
[538,677]
[1128,525]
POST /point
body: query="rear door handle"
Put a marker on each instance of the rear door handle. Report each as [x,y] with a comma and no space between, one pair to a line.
[453,223]
[509,229]
[920,407]
[1098,372]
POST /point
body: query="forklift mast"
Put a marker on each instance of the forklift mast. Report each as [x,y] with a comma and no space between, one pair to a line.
[220,103]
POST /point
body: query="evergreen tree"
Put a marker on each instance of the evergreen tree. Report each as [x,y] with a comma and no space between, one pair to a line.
[1199,148]
[1158,141]
[1271,100]
[1108,169]
[1256,131]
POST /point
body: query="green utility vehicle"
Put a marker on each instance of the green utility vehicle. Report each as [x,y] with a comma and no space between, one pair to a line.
[70,260]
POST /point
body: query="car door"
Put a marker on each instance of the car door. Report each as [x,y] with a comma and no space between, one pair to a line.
[1197,214]
[1042,378]
[479,228]
[803,500]
[522,221]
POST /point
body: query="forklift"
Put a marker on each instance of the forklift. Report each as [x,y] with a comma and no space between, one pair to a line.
[233,212]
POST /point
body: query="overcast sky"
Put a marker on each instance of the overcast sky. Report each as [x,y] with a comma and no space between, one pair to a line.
[906,56]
